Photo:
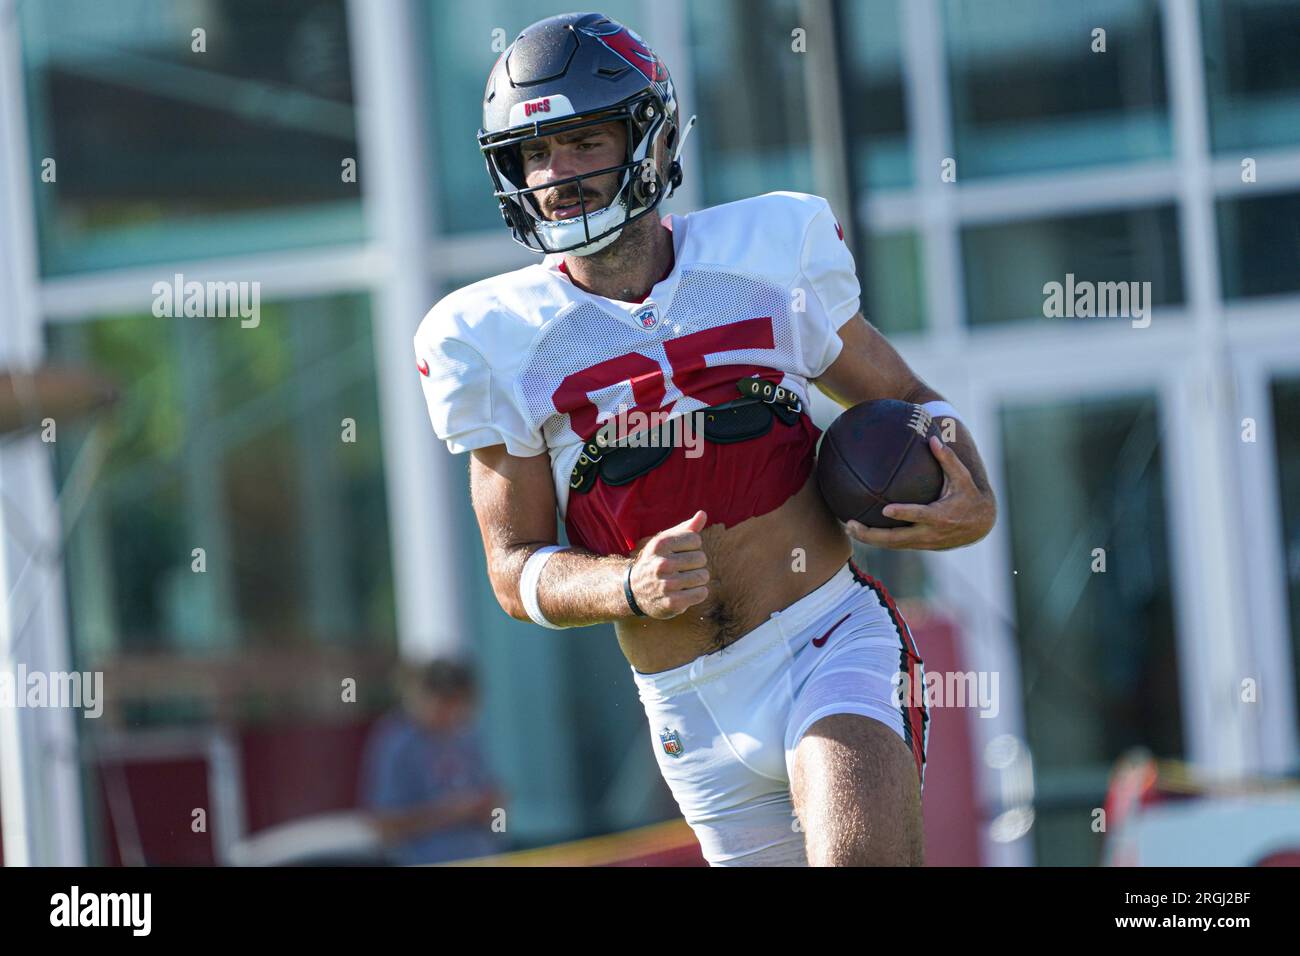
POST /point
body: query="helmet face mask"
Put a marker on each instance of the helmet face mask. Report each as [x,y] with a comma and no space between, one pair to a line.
[638,186]
[584,61]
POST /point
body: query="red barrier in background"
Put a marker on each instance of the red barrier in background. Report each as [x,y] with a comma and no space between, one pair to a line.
[289,772]
[297,771]
[151,804]
[949,803]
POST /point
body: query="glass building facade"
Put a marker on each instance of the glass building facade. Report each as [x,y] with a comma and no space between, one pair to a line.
[977,150]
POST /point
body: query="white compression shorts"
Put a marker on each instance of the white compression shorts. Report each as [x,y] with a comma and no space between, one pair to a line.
[724,727]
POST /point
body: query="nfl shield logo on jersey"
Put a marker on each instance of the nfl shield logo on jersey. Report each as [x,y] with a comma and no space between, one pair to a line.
[647,316]
[672,742]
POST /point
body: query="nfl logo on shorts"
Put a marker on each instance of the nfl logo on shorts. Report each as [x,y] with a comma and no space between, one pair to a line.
[672,743]
[647,316]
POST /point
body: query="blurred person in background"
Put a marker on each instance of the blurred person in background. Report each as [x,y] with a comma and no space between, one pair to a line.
[423,773]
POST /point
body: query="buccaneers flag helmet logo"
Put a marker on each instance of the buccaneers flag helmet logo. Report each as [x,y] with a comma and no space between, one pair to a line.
[630,47]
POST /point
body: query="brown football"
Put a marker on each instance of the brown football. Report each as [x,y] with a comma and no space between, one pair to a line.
[875,454]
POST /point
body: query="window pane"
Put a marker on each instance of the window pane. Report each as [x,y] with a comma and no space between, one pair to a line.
[1259,244]
[1252,72]
[893,297]
[1098,659]
[233,440]
[1286,428]
[1029,93]
[1007,266]
[753,125]
[161,152]
[468,45]
[876,120]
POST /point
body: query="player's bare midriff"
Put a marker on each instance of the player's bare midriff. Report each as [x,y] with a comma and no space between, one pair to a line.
[754,570]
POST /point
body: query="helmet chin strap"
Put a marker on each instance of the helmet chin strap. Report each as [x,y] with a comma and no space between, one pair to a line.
[681,142]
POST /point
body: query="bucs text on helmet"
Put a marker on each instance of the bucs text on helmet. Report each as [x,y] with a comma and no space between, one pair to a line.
[561,74]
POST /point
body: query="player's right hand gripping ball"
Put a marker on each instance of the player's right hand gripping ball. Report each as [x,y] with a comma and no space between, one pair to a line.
[876,454]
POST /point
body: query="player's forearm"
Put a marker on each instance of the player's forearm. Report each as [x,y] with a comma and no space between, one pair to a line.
[576,587]
[960,438]
[398,826]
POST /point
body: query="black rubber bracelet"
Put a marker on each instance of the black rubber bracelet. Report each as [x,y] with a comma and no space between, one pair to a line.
[627,590]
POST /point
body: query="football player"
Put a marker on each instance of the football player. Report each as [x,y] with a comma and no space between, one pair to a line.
[647,381]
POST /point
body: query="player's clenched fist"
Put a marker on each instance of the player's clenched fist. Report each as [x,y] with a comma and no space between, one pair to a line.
[671,573]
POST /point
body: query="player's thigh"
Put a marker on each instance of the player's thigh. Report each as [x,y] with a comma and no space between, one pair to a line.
[857,793]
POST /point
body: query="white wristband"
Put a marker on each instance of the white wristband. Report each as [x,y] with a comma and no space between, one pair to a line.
[528,584]
[941,410]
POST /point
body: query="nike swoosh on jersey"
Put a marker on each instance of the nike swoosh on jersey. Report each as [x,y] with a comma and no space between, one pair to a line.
[819,641]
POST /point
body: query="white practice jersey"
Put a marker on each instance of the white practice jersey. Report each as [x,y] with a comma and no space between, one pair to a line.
[529,360]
